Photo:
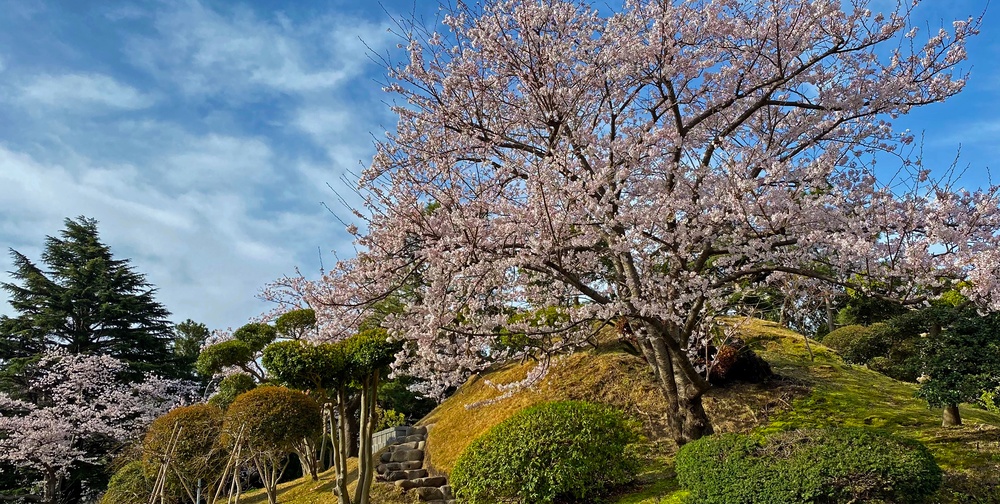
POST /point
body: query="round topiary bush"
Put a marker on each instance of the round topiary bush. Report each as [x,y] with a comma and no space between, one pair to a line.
[230,387]
[808,466]
[272,419]
[849,341]
[132,483]
[568,451]
[267,423]
[197,453]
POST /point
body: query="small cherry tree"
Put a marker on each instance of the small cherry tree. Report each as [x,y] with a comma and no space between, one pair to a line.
[266,423]
[333,373]
[73,403]
[647,164]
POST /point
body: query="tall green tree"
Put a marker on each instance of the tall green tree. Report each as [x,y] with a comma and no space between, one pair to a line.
[82,299]
[189,336]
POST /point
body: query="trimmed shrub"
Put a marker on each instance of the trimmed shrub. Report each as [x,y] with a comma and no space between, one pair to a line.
[256,335]
[230,387]
[569,451]
[296,324]
[272,419]
[808,466]
[273,422]
[848,341]
[132,483]
[215,358]
[198,453]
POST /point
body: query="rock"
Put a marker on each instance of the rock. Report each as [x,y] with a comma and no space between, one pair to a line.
[410,465]
[422,430]
[421,445]
[429,493]
[407,484]
[446,490]
[413,438]
[391,466]
[410,475]
[412,445]
[407,455]
[386,457]
[433,481]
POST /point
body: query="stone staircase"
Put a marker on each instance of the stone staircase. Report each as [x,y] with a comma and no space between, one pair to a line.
[402,464]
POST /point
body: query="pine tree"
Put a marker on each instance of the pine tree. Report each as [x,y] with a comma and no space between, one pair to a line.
[85,301]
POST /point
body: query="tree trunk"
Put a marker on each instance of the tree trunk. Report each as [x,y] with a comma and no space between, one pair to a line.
[362,459]
[366,471]
[306,451]
[831,317]
[353,425]
[50,492]
[342,438]
[682,387]
[951,417]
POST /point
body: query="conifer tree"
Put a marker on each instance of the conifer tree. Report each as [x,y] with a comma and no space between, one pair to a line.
[85,301]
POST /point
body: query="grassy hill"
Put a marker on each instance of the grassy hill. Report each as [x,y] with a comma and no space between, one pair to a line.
[809,393]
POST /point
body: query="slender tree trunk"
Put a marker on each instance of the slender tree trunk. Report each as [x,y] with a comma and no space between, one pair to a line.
[831,322]
[306,451]
[367,469]
[50,492]
[362,429]
[342,437]
[951,417]
[353,425]
[323,441]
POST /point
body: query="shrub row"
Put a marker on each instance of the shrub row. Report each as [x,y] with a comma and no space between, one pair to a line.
[808,466]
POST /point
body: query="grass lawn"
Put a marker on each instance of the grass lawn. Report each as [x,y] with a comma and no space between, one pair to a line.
[817,392]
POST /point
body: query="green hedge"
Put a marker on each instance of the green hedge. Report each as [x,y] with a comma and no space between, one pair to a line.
[568,451]
[844,338]
[132,483]
[808,466]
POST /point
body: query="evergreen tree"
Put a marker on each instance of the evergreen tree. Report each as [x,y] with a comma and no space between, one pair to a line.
[83,300]
[188,338]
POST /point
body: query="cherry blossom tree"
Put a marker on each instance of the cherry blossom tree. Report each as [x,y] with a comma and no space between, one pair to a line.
[648,164]
[72,404]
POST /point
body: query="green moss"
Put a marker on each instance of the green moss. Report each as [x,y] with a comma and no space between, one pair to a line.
[838,394]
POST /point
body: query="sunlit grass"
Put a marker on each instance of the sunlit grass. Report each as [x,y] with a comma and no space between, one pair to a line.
[306,491]
[809,393]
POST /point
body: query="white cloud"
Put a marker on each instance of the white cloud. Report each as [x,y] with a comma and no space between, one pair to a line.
[211,185]
[206,251]
[207,52]
[82,92]
[216,160]
[323,124]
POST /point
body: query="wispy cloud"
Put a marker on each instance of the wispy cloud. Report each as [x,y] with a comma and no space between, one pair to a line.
[202,141]
[82,92]
[236,52]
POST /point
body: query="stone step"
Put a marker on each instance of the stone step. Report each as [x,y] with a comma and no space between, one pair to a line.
[412,438]
[398,466]
[411,445]
[406,475]
[428,482]
[426,494]
[405,455]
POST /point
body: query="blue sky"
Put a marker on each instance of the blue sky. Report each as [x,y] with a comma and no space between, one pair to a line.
[203,134]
